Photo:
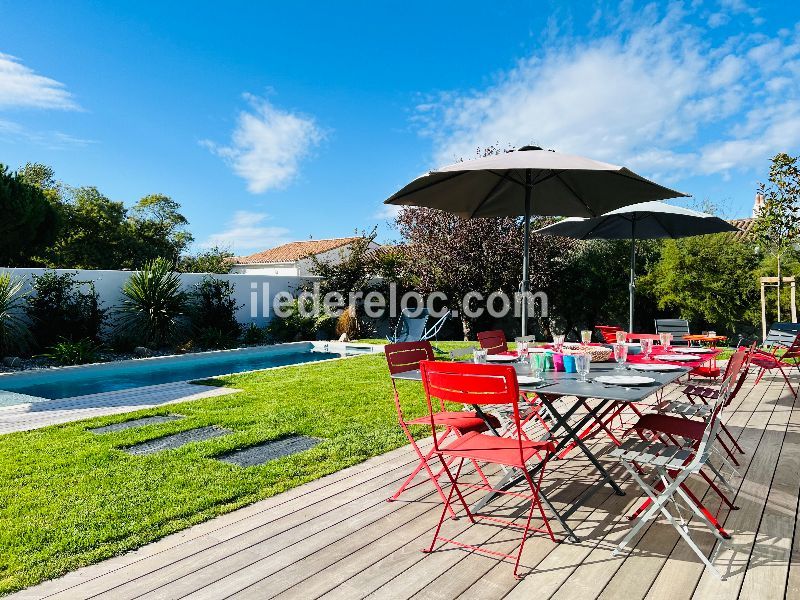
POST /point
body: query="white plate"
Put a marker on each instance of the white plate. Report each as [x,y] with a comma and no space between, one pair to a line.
[528,379]
[624,379]
[658,367]
[500,358]
[677,357]
[692,350]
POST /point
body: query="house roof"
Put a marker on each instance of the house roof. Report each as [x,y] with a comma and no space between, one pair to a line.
[744,226]
[293,251]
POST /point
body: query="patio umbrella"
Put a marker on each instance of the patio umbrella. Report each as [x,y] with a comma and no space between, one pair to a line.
[645,221]
[529,181]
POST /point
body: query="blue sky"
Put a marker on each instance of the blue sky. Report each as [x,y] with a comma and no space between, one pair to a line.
[277,121]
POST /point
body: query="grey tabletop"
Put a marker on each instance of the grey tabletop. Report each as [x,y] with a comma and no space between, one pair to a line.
[567,384]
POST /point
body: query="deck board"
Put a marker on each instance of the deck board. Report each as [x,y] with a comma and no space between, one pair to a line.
[338,538]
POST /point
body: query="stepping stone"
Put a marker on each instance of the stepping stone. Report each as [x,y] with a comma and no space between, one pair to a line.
[176,440]
[262,453]
[135,423]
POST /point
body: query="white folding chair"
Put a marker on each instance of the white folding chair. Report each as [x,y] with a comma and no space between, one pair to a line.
[667,468]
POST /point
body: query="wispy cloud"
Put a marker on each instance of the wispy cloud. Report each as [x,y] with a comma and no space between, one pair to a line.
[268,145]
[52,140]
[652,93]
[22,87]
[387,212]
[246,233]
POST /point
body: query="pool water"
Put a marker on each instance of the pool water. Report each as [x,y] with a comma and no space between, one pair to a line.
[66,383]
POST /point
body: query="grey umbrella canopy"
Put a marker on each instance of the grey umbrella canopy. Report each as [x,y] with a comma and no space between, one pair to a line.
[645,221]
[530,181]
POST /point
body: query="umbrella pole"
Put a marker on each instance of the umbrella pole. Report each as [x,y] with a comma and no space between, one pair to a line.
[632,285]
[525,251]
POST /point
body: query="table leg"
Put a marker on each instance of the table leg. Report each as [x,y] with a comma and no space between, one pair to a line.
[512,477]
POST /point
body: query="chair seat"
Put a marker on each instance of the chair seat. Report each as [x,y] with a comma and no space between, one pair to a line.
[766,361]
[702,391]
[706,371]
[672,425]
[461,420]
[499,450]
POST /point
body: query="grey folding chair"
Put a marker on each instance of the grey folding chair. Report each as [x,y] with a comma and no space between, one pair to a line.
[661,470]
[677,327]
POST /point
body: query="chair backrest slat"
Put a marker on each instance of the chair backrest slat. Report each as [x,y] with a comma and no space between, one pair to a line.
[467,383]
[793,351]
[726,389]
[494,342]
[609,333]
[406,356]
[779,337]
[677,327]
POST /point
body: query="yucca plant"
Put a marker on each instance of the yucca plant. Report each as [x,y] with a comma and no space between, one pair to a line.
[68,352]
[154,309]
[14,332]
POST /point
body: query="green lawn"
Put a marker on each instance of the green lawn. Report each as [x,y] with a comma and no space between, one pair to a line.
[69,497]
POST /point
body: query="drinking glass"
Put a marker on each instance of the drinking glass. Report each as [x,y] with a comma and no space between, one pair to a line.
[538,361]
[479,356]
[558,342]
[586,336]
[583,362]
[620,355]
[647,347]
[621,336]
[665,338]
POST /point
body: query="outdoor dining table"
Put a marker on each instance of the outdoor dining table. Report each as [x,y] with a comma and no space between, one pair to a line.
[595,396]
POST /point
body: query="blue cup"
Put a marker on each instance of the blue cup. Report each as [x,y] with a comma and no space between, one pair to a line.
[569,364]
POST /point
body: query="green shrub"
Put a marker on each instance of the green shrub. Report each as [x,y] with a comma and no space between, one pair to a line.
[296,327]
[154,308]
[14,332]
[253,335]
[213,307]
[68,352]
[62,307]
[213,338]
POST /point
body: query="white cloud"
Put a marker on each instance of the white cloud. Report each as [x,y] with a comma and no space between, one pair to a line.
[653,94]
[21,86]
[52,140]
[387,212]
[268,145]
[245,233]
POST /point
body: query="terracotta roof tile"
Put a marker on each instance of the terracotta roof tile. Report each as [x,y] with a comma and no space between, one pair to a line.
[744,225]
[293,251]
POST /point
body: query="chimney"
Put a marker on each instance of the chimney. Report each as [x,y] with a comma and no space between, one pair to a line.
[759,202]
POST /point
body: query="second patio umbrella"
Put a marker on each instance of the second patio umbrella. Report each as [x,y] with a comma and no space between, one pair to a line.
[503,185]
[645,221]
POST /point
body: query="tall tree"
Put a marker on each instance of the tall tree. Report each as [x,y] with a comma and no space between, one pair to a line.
[93,236]
[157,229]
[453,255]
[29,223]
[214,260]
[777,224]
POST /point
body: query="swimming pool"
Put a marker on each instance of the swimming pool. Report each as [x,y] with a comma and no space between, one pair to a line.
[67,382]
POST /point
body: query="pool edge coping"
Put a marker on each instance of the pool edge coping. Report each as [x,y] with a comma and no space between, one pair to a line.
[27,405]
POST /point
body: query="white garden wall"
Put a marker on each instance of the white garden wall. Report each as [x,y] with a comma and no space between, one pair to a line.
[255,292]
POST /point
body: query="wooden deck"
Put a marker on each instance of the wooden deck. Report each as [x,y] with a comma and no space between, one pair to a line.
[338,538]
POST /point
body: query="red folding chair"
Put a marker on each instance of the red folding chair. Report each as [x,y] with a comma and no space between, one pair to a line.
[668,428]
[699,394]
[406,356]
[494,342]
[482,385]
[609,333]
[770,361]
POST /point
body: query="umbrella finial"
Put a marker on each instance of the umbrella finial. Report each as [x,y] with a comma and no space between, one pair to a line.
[526,148]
